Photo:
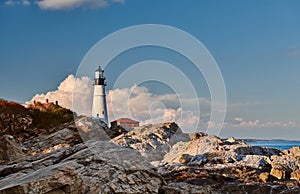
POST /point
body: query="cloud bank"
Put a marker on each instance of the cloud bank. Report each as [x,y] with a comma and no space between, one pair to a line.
[64,94]
[73,4]
[139,103]
[240,122]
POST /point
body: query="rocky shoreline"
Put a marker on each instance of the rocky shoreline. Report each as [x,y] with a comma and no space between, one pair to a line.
[85,156]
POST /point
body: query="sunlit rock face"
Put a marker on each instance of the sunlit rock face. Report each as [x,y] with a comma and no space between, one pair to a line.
[152,141]
[209,164]
[61,163]
[86,156]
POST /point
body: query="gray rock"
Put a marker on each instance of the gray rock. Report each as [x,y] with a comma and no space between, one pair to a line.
[288,162]
[113,169]
[255,161]
[152,141]
[182,188]
[59,162]
[205,144]
[63,138]
[92,129]
[257,150]
[9,149]
[199,160]
[93,167]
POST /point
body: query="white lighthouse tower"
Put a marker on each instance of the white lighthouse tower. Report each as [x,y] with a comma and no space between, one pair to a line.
[99,109]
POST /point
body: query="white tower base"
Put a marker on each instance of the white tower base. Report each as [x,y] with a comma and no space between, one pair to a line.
[99,110]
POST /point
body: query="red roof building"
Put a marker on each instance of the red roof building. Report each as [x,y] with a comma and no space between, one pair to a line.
[126,123]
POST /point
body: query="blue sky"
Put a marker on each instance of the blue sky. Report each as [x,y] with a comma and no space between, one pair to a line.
[255,43]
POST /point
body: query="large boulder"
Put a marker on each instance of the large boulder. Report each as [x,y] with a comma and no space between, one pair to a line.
[228,166]
[205,144]
[257,150]
[47,143]
[152,141]
[101,167]
[283,166]
[278,172]
[294,151]
[60,163]
[9,149]
[59,179]
[92,129]
[255,161]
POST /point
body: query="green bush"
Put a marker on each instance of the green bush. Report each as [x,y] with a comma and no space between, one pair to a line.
[51,116]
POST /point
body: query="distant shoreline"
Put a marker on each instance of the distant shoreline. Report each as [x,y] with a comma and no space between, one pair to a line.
[274,143]
[268,140]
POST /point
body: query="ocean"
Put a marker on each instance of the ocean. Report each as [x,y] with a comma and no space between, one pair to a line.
[281,145]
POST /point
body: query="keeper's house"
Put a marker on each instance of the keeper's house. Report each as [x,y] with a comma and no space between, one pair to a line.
[126,123]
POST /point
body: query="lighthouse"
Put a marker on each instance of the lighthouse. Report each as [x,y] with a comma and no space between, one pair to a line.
[99,110]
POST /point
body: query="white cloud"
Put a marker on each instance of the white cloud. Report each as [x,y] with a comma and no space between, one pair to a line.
[73,4]
[242,123]
[64,92]
[241,128]
[17,2]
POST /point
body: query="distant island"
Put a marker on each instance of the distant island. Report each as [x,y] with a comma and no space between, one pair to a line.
[260,140]
[280,144]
